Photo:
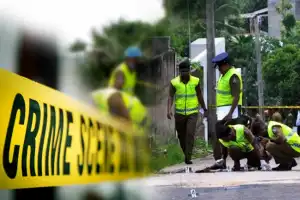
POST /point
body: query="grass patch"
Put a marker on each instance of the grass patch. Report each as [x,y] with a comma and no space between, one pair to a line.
[171,154]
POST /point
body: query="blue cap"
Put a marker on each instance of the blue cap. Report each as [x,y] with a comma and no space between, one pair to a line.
[133,52]
[220,58]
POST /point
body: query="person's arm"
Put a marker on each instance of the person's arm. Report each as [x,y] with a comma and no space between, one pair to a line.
[119,80]
[117,106]
[279,136]
[200,97]
[224,153]
[172,91]
[251,139]
[235,87]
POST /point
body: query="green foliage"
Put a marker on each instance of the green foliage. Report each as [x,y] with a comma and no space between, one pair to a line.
[289,22]
[284,7]
[177,13]
[78,46]
[281,74]
[251,6]
[108,47]
[242,55]
[171,154]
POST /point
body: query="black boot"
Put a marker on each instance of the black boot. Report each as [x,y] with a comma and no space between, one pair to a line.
[294,163]
[236,166]
[188,161]
[282,167]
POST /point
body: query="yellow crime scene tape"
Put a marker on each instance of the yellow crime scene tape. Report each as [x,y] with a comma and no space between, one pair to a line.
[49,139]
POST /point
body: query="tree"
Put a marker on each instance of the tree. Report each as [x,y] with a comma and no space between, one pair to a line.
[109,45]
[241,48]
[281,71]
[284,7]
[78,46]
[242,51]
[177,13]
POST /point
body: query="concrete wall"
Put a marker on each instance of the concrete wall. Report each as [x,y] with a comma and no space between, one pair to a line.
[163,128]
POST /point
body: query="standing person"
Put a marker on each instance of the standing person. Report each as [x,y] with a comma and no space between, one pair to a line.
[289,121]
[229,97]
[187,92]
[229,89]
[123,77]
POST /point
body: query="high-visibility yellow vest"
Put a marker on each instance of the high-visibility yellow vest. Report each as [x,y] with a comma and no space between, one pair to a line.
[137,111]
[292,137]
[130,78]
[224,97]
[186,101]
[241,142]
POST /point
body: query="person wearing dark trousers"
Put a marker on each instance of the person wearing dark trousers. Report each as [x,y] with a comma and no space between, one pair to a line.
[229,95]
[186,90]
[239,142]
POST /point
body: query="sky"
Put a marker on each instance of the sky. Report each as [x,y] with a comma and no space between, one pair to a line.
[74,19]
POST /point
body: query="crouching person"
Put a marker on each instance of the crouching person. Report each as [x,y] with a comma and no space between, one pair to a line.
[240,143]
[283,145]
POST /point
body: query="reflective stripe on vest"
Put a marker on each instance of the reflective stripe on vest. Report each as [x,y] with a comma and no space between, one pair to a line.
[224,97]
[241,142]
[186,100]
[292,137]
[130,78]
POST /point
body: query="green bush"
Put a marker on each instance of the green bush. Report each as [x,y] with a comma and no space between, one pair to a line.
[171,154]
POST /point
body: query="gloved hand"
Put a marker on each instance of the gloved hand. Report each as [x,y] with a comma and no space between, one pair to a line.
[265,166]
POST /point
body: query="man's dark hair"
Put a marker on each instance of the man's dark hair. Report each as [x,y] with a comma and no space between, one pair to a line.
[222,130]
[257,127]
[184,64]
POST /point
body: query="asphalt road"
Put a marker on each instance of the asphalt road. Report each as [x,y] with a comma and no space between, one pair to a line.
[245,192]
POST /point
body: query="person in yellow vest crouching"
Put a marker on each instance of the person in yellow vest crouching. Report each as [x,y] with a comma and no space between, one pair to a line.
[123,76]
[187,92]
[240,143]
[123,105]
[283,144]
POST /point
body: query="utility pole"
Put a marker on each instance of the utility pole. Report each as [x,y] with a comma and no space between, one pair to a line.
[211,76]
[189,24]
[259,68]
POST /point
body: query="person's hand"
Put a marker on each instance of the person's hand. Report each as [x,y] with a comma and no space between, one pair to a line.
[228,117]
[170,115]
[263,141]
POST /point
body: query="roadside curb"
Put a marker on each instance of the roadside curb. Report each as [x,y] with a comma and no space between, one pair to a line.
[180,168]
